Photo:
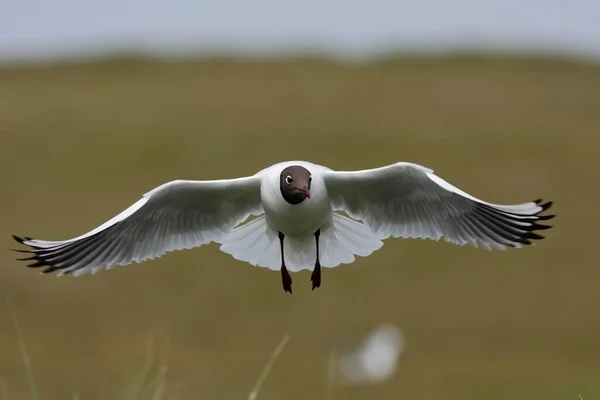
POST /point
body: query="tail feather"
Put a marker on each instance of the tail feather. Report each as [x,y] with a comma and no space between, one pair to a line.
[356,236]
[258,244]
[332,250]
[254,242]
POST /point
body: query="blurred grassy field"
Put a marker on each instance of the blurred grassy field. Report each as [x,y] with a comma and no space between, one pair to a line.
[79,143]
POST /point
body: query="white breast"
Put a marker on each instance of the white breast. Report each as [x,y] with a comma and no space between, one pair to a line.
[302,219]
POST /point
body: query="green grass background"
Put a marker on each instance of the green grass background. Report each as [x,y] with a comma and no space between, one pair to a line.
[81,142]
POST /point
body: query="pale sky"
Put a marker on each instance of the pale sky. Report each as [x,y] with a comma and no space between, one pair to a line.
[34,29]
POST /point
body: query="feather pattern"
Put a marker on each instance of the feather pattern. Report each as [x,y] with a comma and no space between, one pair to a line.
[174,216]
[399,200]
[410,201]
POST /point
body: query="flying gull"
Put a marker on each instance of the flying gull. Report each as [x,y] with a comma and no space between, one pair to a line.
[292,216]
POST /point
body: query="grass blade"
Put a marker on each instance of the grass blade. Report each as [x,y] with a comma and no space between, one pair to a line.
[24,353]
[138,384]
[161,384]
[263,375]
[156,386]
[4,390]
[331,369]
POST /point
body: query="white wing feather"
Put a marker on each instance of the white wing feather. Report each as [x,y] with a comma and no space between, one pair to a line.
[176,215]
[409,200]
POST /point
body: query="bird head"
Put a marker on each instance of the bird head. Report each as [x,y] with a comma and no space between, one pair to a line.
[294,183]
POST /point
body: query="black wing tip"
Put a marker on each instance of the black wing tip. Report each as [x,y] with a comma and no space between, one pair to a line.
[522,234]
[43,257]
[39,262]
[540,227]
[22,251]
[545,217]
[545,205]
[19,239]
[22,240]
[534,236]
[531,235]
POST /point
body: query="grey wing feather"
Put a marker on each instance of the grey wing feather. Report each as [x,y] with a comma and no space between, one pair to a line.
[409,200]
[174,216]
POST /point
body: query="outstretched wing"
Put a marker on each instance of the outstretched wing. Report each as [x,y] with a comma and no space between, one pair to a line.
[176,215]
[409,200]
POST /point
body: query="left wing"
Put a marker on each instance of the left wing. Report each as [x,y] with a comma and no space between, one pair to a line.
[409,200]
[174,216]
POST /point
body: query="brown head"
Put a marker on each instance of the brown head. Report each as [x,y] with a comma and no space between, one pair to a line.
[294,183]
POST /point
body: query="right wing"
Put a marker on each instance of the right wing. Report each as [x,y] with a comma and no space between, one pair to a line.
[176,215]
[409,200]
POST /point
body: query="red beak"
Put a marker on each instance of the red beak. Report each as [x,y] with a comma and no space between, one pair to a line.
[306,191]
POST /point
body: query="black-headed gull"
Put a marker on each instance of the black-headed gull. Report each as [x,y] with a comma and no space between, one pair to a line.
[298,224]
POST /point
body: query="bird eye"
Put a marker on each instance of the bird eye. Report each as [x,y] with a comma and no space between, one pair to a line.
[288,179]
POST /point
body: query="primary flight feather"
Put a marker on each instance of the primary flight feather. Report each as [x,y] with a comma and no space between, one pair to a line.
[298,224]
